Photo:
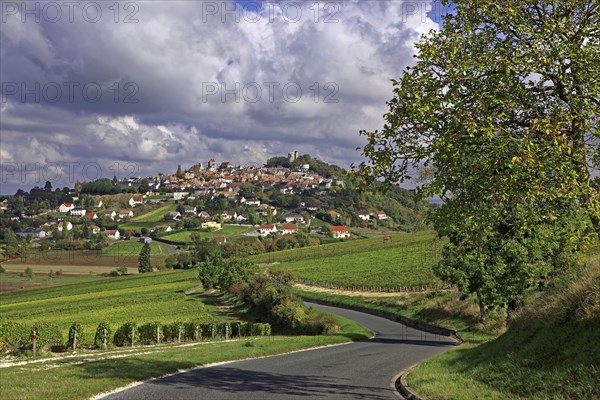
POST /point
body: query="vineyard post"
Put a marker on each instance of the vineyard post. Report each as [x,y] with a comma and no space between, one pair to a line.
[105,346]
[226,331]
[196,333]
[179,335]
[34,342]
[157,334]
[74,338]
[132,336]
[239,330]
[212,331]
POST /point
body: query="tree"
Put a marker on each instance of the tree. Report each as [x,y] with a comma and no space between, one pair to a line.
[502,110]
[210,270]
[48,186]
[144,186]
[144,260]
[179,174]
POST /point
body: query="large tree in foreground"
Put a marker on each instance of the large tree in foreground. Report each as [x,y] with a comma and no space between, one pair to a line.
[501,110]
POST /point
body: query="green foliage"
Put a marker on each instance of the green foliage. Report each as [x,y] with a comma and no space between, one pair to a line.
[504,130]
[13,336]
[145,260]
[150,332]
[210,270]
[171,331]
[75,327]
[2,269]
[235,271]
[122,335]
[102,330]
[48,335]
[28,272]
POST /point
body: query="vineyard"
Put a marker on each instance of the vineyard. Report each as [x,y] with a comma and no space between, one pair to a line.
[165,296]
[404,263]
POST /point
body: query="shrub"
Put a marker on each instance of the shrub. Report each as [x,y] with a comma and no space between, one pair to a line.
[147,333]
[290,314]
[13,336]
[171,331]
[2,269]
[123,334]
[48,335]
[319,324]
[99,337]
[28,272]
[75,327]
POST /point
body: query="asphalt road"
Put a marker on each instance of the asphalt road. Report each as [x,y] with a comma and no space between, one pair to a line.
[361,370]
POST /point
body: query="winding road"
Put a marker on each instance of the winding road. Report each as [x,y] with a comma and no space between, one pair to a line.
[360,370]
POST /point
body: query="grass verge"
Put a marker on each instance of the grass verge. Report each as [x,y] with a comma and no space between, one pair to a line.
[67,379]
[550,351]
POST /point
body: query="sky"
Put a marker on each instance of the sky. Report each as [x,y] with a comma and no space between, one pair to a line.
[94,89]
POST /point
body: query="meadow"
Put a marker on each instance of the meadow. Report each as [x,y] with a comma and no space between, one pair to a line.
[150,219]
[366,264]
[227,231]
[131,247]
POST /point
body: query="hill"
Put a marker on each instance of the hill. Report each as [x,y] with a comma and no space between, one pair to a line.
[551,350]
[403,261]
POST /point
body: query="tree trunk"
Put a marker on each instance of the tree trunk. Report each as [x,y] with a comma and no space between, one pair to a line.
[482,307]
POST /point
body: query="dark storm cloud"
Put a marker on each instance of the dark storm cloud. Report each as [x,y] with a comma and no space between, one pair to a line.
[188,82]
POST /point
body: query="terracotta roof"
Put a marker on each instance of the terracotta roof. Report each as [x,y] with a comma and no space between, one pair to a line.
[338,229]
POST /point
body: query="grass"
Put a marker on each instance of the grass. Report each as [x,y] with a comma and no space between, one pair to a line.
[440,308]
[13,281]
[364,264]
[161,297]
[550,351]
[130,247]
[92,373]
[186,236]
[149,219]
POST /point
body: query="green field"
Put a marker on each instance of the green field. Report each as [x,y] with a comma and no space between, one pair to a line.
[131,247]
[161,297]
[227,230]
[150,219]
[403,264]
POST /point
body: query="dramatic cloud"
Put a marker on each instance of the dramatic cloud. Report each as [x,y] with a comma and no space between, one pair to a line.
[161,83]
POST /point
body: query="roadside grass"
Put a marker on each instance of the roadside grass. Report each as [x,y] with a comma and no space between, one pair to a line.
[550,351]
[81,378]
[438,307]
[186,236]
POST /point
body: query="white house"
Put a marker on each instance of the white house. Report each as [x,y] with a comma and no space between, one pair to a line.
[91,215]
[78,212]
[125,214]
[267,229]
[291,218]
[62,225]
[380,215]
[66,207]
[113,234]
[110,214]
[135,200]
[339,232]
[190,210]
[180,195]
[95,229]
[240,219]
[289,229]
[210,225]
[100,203]
[32,233]
[364,215]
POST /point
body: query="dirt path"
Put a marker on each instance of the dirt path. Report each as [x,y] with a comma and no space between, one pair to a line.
[318,289]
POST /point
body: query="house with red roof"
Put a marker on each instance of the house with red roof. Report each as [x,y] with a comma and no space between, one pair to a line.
[289,229]
[91,215]
[66,207]
[339,232]
[267,229]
